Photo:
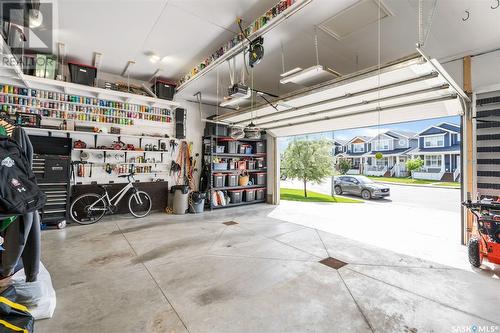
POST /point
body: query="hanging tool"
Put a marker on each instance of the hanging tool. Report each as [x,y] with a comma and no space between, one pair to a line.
[173,144]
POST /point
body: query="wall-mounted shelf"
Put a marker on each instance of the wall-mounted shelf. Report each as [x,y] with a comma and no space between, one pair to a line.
[238,187]
[98,134]
[120,151]
[239,171]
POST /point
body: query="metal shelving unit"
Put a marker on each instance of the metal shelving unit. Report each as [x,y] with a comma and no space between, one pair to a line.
[209,153]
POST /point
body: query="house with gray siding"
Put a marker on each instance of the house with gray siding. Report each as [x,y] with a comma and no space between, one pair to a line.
[439,148]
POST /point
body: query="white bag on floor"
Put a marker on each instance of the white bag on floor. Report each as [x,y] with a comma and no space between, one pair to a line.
[39,296]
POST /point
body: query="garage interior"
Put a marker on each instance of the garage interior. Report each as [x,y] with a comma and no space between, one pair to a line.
[146,133]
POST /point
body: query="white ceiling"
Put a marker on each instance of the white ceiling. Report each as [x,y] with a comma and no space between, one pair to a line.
[186,31]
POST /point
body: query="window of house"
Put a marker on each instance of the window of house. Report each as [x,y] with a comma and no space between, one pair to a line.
[358,147]
[433,161]
[382,144]
[434,141]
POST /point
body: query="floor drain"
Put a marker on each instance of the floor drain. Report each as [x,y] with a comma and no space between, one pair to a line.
[333,263]
[230,223]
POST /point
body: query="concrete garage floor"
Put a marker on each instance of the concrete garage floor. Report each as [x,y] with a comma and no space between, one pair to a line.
[195,274]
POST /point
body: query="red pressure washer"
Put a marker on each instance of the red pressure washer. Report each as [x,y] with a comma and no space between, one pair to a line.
[486,242]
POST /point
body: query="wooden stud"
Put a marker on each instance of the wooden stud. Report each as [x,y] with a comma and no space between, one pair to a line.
[469,146]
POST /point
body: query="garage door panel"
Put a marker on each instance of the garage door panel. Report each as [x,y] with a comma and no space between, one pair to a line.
[413,89]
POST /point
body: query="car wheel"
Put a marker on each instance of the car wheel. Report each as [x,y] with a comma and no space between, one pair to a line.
[365,194]
[474,254]
[338,190]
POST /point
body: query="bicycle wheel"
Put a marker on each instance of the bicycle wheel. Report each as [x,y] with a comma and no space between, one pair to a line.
[137,208]
[80,212]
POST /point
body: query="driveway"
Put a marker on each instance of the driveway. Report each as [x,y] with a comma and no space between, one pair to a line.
[417,221]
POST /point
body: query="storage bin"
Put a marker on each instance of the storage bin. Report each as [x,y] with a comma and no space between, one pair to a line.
[232,180]
[249,195]
[260,194]
[232,147]
[219,180]
[82,74]
[260,148]
[220,149]
[219,166]
[260,163]
[241,149]
[164,89]
[251,165]
[235,196]
[215,129]
[232,165]
[242,165]
[248,149]
[260,178]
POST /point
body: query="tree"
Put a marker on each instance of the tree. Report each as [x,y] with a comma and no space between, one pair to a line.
[414,164]
[309,161]
[344,165]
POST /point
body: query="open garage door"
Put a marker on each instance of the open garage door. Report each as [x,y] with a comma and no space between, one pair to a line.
[409,89]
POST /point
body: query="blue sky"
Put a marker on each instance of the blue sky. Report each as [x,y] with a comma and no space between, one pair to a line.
[414,126]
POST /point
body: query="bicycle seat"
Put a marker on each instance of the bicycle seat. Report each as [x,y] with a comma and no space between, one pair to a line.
[104,187]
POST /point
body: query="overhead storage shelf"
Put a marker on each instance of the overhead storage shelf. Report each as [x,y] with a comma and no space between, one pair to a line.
[411,88]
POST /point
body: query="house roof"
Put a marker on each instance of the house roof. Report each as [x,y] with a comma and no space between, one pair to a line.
[362,137]
[396,135]
[454,148]
[340,142]
[441,129]
[354,154]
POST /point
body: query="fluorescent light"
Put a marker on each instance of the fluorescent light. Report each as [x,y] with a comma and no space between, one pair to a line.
[97,59]
[233,101]
[311,75]
[292,71]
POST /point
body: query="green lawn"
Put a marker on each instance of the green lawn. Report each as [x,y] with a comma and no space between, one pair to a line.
[298,195]
[414,181]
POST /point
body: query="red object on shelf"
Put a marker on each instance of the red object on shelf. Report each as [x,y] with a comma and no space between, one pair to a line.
[242,165]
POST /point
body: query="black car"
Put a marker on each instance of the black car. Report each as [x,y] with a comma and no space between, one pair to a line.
[360,185]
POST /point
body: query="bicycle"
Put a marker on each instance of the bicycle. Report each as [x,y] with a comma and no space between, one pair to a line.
[89,208]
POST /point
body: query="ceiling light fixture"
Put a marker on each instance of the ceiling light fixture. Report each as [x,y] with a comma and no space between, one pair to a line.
[291,71]
[35,18]
[309,75]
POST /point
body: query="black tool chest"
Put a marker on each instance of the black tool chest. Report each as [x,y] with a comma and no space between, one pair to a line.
[53,176]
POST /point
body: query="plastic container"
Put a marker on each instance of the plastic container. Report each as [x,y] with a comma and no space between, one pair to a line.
[260,194]
[82,74]
[181,195]
[235,196]
[232,180]
[260,178]
[242,165]
[251,165]
[248,149]
[260,163]
[260,148]
[220,149]
[197,202]
[232,147]
[219,166]
[164,89]
[232,165]
[219,180]
[249,195]
[241,149]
